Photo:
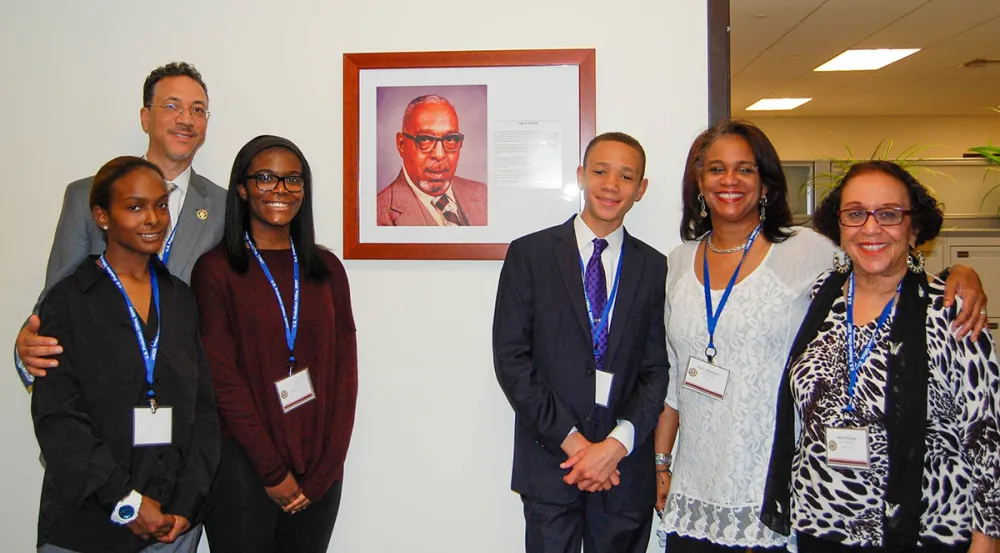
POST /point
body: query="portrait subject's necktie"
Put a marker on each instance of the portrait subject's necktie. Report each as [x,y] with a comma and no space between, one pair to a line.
[596,286]
[449,210]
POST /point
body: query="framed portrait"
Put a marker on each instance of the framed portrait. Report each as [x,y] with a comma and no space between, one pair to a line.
[451,155]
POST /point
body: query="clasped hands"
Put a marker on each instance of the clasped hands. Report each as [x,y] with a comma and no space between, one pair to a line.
[594,466]
[288,495]
[153,522]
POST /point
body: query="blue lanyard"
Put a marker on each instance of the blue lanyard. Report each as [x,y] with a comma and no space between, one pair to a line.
[291,330]
[148,352]
[167,246]
[714,316]
[597,326]
[854,362]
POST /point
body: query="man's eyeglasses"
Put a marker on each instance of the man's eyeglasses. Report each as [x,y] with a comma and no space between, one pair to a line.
[425,142]
[174,109]
[267,182]
[884,216]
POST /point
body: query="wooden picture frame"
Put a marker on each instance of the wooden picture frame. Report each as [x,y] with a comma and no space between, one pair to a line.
[526,115]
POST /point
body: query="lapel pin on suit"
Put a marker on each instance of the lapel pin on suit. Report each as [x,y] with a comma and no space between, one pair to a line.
[203,214]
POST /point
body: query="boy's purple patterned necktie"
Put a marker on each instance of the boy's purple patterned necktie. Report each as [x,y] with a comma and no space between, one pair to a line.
[596,287]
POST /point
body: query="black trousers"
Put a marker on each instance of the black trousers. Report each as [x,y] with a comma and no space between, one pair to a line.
[551,528]
[686,544]
[810,544]
[243,519]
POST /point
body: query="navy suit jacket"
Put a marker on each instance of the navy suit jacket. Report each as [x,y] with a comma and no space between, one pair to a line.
[544,362]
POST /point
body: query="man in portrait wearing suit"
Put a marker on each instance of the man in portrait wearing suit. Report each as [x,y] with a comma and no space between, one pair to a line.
[579,350]
[427,192]
[175,115]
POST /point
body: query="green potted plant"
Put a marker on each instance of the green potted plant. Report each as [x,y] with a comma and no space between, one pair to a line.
[908,159]
[991,154]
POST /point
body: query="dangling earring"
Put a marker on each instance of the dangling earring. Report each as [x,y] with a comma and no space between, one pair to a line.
[915,261]
[763,204]
[842,267]
[703,213]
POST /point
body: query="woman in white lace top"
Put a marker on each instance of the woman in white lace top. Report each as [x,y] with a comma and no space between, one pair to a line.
[720,410]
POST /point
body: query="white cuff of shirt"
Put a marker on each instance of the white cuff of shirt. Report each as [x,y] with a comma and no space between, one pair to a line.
[571,431]
[624,433]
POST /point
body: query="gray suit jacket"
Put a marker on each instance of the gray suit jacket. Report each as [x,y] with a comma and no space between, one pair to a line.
[77,235]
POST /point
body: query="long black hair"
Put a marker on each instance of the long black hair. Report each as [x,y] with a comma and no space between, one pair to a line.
[303,231]
[779,214]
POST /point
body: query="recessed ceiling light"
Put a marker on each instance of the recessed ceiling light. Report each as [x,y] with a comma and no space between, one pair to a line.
[866,60]
[777,104]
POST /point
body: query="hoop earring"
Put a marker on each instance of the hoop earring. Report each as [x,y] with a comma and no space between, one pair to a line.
[841,266]
[915,261]
[703,213]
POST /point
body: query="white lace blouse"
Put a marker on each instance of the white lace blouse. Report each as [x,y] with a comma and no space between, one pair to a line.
[723,446]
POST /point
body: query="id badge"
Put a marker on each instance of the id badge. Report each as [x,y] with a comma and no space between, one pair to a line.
[152,428]
[706,378]
[295,390]
[602,390]
[847,448]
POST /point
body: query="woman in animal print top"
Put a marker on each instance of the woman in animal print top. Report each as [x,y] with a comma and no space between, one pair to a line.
[899,442]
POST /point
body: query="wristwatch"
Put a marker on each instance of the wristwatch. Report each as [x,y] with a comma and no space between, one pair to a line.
[127,509]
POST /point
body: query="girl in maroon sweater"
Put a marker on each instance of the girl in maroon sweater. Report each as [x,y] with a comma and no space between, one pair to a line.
[279,333]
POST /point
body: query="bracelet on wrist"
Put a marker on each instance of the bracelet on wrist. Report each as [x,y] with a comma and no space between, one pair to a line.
[664,459]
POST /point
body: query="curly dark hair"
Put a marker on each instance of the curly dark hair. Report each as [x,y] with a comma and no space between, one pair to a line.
[925,213]
[173,69]
[779,214]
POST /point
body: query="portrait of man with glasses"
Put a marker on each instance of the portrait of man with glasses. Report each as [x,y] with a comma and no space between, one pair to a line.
[427,191]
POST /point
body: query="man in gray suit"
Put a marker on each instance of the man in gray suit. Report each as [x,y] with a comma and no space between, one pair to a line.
[175,116]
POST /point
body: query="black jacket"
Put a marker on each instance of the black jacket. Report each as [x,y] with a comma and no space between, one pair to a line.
[83,412]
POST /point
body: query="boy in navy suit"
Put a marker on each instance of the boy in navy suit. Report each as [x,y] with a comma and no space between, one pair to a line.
[580,352]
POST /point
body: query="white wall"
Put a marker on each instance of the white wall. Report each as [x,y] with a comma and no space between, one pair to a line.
[807,138]
[429,465]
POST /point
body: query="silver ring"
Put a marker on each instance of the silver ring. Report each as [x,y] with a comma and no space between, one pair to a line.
[982,312]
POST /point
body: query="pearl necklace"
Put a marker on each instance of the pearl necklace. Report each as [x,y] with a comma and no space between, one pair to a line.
[716,249]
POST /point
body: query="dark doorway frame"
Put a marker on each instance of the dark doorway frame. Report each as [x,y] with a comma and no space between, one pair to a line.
[719,79]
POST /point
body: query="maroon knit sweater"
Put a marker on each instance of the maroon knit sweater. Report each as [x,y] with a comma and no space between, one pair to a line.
[244,337]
